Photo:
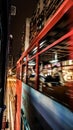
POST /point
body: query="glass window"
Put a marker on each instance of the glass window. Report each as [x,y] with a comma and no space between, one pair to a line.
[31,75]
[44,70]
[56,73]
[24,73]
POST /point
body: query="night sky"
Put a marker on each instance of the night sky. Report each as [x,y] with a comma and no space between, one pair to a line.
[24,9]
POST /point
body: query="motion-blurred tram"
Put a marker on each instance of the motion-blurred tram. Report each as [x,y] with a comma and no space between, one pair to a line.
[41,106]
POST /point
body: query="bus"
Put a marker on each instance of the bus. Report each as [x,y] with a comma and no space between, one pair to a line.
[41,106]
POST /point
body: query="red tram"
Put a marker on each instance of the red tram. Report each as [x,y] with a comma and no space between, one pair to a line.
[40,106]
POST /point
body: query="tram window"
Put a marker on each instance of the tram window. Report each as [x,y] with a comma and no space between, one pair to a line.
[24,73]
[60,29]
[56,73]
[33,52]
[44,70]
[31,73]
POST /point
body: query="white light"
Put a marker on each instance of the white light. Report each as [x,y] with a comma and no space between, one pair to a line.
[53,61]
[55,55]
[32,63]
[11,36]
[35,49]
[24,59]
[55,58]
[42,42]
